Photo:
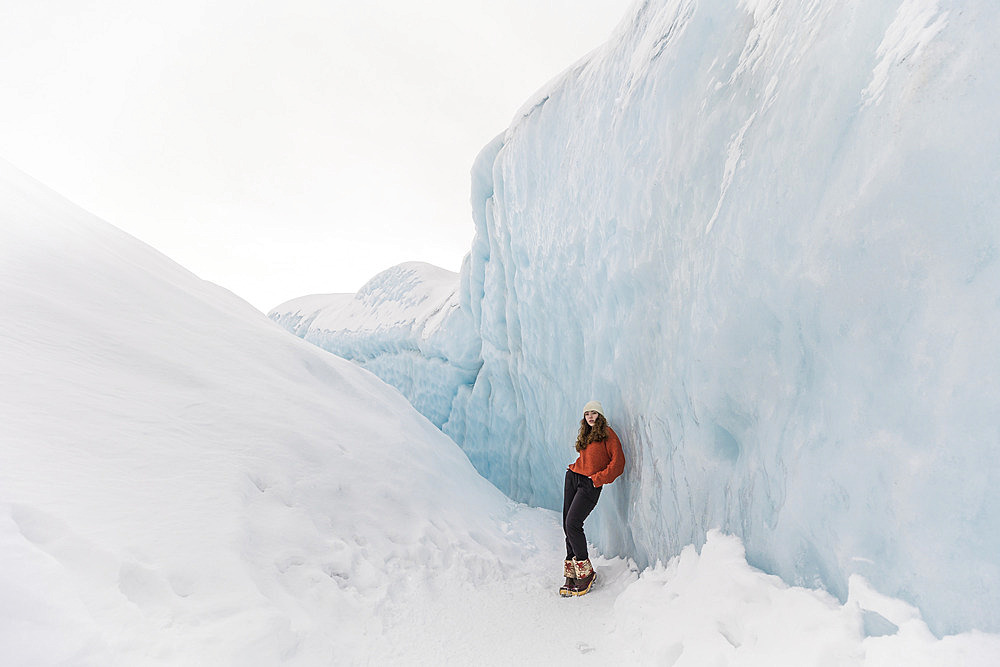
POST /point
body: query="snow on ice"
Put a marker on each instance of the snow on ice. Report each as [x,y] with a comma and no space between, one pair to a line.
[765,235]
[184,483]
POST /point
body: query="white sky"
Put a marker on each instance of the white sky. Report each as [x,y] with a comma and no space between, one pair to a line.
[279,147]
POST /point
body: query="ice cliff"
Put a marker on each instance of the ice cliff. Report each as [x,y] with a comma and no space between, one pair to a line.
[765,234]
[404,325]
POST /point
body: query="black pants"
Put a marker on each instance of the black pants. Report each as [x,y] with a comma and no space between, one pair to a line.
[579,500]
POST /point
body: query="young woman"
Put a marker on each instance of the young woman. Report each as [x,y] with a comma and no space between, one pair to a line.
[600,462]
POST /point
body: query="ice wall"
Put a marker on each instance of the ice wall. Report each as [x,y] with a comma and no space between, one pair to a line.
[765,235]
[404,325]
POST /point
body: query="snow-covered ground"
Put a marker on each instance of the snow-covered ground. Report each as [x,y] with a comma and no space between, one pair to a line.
[184,483]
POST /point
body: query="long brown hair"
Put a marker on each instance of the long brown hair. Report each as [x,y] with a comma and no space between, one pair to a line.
[589,434]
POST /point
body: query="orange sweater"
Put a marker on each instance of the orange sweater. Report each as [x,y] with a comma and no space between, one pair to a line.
[601,461]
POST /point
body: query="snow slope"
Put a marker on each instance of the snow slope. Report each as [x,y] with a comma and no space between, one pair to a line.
[765,235]
[184,483]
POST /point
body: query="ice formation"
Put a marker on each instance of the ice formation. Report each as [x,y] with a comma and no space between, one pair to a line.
[765,235]
[404,325]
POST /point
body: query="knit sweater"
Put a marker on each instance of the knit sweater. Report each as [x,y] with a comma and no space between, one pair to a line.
[601,461]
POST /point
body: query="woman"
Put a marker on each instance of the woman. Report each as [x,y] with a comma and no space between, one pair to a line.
[600,462]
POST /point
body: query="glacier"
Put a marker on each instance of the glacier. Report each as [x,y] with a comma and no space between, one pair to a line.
[765,234]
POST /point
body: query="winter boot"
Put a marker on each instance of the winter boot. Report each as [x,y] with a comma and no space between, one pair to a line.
[585,577]
[569,571]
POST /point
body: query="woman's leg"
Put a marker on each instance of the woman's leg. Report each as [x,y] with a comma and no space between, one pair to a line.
[575,511]
[569,492]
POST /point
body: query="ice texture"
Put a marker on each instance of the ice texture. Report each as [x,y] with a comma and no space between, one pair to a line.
[765,234]
[404,325]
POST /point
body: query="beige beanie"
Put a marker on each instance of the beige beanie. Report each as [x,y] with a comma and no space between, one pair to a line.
[594,406]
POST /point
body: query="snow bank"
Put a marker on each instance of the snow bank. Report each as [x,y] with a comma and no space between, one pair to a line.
[184,483]
[712,608]
[764,235]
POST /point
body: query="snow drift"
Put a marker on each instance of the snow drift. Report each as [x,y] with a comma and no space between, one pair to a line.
[184,483]
[404,325]
[765,235]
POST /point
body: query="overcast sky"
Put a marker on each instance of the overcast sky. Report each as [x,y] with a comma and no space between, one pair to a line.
[279,147]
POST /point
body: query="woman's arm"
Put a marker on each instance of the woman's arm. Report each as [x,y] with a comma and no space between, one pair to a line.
[617,465]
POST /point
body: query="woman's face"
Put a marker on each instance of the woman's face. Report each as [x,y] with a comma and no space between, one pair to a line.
[591,417]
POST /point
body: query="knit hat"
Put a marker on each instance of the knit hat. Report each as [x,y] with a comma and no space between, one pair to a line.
[594,406]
